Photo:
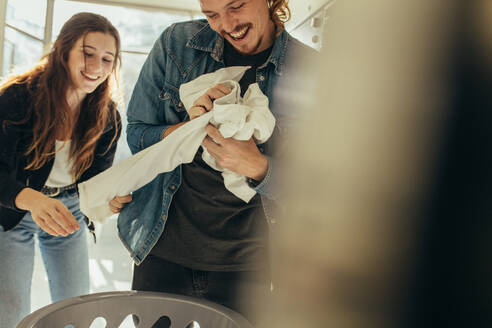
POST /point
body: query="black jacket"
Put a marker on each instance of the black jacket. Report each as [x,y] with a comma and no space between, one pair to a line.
[14,140]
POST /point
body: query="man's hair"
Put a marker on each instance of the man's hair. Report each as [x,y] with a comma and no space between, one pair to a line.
[279,12]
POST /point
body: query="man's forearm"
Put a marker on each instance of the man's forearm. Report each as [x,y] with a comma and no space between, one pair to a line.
[171,128]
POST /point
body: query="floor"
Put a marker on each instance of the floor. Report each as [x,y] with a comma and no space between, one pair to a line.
[109,263]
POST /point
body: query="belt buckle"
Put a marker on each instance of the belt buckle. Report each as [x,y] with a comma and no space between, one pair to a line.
[51,191]
[56,193]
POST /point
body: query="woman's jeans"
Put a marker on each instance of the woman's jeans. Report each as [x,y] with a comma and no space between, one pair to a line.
[65,259]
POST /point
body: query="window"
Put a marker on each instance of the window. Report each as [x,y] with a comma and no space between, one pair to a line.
[138,28]
[32,20]
[20,51]
[24,32]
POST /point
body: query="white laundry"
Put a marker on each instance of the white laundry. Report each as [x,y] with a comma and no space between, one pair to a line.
[235,117]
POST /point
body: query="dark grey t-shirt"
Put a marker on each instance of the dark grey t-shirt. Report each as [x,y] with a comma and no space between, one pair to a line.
[208,227]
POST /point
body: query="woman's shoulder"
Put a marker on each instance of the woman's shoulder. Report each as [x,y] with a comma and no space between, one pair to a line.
[113,111]
[15,91]
[14,101]
[114,116]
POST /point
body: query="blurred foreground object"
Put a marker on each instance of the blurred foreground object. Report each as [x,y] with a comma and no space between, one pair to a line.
[389,183]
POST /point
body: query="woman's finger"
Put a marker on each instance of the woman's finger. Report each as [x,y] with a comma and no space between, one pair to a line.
[68,216]
[61,221]
[124,199]
[53,225]
[65,218]
[42,224]
[116,205]
[114,209]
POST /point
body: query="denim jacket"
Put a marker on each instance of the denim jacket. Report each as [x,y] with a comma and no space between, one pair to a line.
[183,52]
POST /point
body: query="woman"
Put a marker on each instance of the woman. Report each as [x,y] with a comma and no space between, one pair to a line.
[58,127]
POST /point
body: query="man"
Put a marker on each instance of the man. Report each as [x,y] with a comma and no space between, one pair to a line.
[214,245]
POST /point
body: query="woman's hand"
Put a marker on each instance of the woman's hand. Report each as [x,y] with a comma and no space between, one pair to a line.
[50,214]
[116,204]
[205,102]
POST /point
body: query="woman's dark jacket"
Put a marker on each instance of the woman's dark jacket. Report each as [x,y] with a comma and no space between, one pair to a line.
[14,140]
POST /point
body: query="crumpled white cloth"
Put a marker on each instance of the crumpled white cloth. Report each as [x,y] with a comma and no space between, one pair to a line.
[234,116]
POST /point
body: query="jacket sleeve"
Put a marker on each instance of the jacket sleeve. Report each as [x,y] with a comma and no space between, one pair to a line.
[13,107]
[103,157]
[146,117]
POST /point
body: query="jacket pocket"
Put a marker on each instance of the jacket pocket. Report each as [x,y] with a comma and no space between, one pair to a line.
[171,94]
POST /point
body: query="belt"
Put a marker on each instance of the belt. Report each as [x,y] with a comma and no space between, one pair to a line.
[55,191]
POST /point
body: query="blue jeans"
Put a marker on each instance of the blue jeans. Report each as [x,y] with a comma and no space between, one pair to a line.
[65,259]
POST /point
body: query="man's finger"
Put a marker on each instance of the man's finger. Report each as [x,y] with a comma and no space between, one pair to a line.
[215,134]
[196,111]
[212,147]
[205,102]
[216,93]
[225,90]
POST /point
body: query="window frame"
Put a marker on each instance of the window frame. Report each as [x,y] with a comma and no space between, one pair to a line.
[49,18]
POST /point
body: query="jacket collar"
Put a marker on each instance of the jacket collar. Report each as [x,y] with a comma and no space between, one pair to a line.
[208,40]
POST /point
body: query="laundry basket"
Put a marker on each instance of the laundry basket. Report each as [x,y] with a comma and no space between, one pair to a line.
[114,307]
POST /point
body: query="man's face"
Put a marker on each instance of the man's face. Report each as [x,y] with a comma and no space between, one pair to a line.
[246,24]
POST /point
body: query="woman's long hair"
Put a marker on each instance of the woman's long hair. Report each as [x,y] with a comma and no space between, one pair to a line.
[48,83]
[279,12]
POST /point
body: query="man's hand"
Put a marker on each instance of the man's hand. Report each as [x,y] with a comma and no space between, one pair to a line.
[240,156]
[50,214]
[205,102]
[201,105]
[117,203]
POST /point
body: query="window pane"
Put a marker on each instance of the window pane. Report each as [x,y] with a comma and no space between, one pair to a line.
[27,15]
[132,63]
[138,28]
[20,51]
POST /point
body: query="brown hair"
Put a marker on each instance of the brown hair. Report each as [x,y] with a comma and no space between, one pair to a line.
[48,83]
[279,12]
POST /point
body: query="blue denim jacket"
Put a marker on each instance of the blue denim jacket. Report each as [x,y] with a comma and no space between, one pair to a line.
[183,52]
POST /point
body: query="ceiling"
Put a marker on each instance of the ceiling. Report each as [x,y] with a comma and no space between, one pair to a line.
[301,9]
[189,5]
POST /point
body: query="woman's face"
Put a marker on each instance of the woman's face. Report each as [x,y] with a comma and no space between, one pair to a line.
[90,61]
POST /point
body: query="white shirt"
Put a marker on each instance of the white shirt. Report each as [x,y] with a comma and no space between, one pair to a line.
[61,173]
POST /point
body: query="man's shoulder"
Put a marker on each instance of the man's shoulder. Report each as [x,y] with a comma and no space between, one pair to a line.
[182,32]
